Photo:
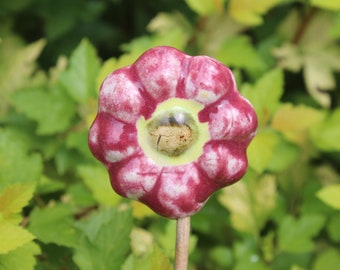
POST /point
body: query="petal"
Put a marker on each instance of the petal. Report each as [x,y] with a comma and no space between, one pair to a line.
[111,140]
[120,96]
[207,80]
[231,119]
[178,190]
[224,163]
[159,70]
[135,178]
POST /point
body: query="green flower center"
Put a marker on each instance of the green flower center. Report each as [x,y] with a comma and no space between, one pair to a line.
[173,135]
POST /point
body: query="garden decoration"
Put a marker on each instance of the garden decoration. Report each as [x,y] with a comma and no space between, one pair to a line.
[172,129]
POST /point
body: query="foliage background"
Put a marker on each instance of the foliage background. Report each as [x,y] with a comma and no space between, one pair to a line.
[57,210]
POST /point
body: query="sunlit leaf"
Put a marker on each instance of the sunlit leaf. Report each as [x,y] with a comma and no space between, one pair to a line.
[289,57]
[262,150]
[250,202]
[140,210]
[330,195]
[206,7]
[17,63]
[327,4]
[23,258]
[250,12]
[159,260]
[295,235]
[295,121]
[141,241]
[326,134]
[13,199]
[318,74]
[13,236]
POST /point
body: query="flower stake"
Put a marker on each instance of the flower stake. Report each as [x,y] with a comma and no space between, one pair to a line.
[171,130]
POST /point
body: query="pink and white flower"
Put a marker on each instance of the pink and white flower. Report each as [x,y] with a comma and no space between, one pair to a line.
[195,99]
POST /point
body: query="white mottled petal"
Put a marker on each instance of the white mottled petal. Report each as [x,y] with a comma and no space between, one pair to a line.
[114,156]
[138,177]
[120,97]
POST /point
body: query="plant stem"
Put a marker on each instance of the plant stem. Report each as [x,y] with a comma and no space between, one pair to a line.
[182,243]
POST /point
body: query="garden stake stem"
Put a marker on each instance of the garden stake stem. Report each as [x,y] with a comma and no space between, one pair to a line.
[182,243]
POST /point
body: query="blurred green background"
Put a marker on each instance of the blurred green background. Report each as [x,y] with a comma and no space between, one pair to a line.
[57,209]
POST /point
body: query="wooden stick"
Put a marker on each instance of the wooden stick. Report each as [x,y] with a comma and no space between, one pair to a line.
[182,243]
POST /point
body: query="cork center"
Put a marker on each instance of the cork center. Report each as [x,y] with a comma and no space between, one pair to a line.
[172,133]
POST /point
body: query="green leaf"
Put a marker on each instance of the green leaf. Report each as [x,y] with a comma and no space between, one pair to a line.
[327,4]
[154,260]
[330,195]
[295,235]
[222,256]
[78,140]
[51,109]
[105,240]
[328,259]
[333,227]
[249,12]
[12,237]
[265,94]
[250,202]
[16,165]
[54,224]
[325,135]
[261,150]
[81,195]
[22,258]
[47,185]
[97,180]
[247,255]
[238,52]
[13,199]
[284,155]
[80,78]
[206,7]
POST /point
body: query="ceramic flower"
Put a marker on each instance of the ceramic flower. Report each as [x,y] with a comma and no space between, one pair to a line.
[172,129]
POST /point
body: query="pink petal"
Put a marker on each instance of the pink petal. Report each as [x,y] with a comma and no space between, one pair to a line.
[231,119]
[159,70]
[178,190]
[111,140]
[206,80]
[224,163]
[135,178]
[120,96]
